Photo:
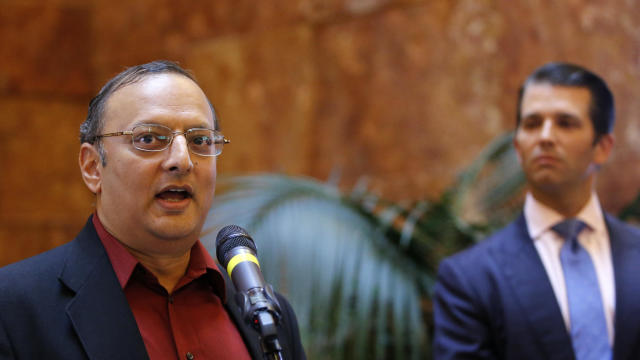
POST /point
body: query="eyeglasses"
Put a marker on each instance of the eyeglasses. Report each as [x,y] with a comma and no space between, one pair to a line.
[153,137]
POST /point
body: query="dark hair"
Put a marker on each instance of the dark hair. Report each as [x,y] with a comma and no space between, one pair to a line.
[94,123]
[601,109]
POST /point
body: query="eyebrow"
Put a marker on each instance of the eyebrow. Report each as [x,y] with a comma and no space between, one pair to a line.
[554,113]
[149,122]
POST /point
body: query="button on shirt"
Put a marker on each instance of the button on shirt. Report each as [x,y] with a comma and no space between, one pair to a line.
[191,322]
[594,238]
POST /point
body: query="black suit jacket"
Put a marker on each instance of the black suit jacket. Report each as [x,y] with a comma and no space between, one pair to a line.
[67,304]
[495,301]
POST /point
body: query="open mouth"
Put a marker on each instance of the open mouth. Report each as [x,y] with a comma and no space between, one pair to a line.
[174,195]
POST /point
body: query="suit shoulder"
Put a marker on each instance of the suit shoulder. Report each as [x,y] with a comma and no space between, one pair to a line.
[42,261]
[615,223]
[27,274]
[48,265]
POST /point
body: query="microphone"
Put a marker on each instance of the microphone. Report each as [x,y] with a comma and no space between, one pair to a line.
[236,252]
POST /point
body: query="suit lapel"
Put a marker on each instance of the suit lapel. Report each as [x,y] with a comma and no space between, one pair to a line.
[99,311]
[625,253]
[532,289]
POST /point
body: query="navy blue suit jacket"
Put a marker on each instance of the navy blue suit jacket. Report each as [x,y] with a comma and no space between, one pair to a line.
[495,301]
[67,304]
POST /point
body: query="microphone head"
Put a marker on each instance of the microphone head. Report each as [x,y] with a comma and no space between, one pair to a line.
[230,237]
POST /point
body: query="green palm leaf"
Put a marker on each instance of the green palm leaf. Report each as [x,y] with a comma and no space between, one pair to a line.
[356,294]
[489,192]
[358,269]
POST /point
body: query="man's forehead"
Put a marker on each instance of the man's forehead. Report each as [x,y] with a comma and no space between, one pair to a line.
[150,83]
[156,94]
[550,97]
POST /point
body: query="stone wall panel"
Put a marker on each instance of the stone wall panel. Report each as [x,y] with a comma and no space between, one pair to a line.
[406,92]
[129,32]
[392,114]
[263,88]
[45,49]
[40,141]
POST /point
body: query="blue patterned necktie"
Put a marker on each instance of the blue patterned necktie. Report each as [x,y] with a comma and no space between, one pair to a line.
[588,325]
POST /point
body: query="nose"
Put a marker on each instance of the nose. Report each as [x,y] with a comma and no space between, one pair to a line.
[179,158]
[547,131]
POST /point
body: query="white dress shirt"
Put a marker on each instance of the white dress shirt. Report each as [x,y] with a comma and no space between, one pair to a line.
[594,238]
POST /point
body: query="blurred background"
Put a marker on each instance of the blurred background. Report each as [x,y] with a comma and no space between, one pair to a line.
[403,93]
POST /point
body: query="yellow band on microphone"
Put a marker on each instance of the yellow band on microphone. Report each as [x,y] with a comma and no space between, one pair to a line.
[241,258]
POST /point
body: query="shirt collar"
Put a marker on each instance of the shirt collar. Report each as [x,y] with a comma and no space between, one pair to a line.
[540,218]
[123,263]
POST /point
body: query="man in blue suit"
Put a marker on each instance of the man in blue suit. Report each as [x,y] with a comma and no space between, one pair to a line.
[561,281]
[136,283]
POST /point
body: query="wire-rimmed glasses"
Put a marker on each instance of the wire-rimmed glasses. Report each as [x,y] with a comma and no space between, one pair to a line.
[154,137]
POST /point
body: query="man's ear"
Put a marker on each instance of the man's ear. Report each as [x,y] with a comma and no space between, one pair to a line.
[603,148]
[90,167]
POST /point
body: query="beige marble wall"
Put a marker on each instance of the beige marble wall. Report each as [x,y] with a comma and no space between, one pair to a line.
[405,92]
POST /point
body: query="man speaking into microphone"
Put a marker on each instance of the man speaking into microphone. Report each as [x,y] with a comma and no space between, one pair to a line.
[136,283]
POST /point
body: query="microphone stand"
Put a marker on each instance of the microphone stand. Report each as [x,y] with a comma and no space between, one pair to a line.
[269,336]
[261,309]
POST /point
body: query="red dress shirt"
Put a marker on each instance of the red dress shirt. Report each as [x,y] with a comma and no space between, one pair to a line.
[191,322]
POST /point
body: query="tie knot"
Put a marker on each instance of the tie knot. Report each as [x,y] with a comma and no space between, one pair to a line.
[569,228]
